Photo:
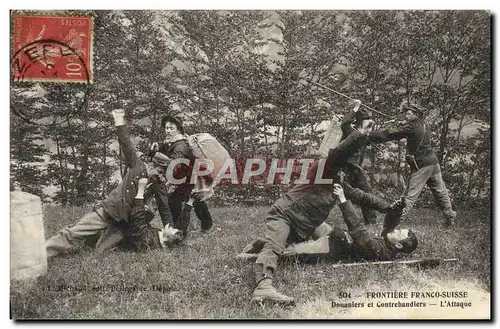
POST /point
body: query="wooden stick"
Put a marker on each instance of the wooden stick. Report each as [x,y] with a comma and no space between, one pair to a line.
[339,93]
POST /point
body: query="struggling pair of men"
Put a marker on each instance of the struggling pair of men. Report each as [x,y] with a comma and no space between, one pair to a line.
[126,213]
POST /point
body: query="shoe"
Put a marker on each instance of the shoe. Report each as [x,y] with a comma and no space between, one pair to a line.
[266,292]
[449,218]
[369,216]
[449,223]
[200,231]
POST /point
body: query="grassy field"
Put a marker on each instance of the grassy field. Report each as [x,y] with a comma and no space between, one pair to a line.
[203,280]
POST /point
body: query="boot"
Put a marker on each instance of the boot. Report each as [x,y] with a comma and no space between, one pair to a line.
[449,218]
[394,215]
[203,214]
[184,219]
[265,292]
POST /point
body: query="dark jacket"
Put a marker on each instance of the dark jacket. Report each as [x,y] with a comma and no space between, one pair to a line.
[414,133]
[306,206]
[176,150]
[347,129]
[365,246]
[140,235]
[120,201]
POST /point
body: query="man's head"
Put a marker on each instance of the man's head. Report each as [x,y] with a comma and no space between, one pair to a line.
[363,120]
[157,164]
[172,126]
[153,238]
[171,235]
[154,170]
[412,112]
[403,240]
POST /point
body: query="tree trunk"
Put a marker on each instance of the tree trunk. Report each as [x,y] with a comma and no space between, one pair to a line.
[398,170]
[105,174]
[471,182]
[443,141]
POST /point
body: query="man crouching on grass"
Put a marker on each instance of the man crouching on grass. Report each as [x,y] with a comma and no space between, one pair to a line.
[124,214]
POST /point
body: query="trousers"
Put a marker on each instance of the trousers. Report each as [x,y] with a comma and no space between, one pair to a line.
[357,178]
[179,197]
[278,235]
[430,176]
[95,223]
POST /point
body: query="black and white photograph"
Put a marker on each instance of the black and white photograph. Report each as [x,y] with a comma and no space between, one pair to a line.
[174,164]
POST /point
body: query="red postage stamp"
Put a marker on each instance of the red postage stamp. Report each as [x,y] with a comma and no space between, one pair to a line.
[50,48]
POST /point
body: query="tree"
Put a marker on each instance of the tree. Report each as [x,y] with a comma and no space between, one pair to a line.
[26,156]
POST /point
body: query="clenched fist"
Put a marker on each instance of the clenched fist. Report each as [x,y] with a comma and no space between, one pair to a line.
[339,192]
[119,117]
[357,104]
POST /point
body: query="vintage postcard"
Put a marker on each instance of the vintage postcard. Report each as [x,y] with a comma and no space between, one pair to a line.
[250,164]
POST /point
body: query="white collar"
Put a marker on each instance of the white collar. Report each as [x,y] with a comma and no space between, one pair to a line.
[176,138]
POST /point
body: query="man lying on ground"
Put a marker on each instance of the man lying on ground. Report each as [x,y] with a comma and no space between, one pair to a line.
[123,212]
[355,244]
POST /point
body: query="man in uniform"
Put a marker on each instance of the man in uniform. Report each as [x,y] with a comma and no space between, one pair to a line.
[424,165]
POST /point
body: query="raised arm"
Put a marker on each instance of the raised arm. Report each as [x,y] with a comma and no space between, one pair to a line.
[351,218]
[367,247]
[381,136]
[349,118]
[128,148]
[360,197]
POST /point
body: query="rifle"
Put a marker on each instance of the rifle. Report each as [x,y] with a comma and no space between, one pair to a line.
[422,262]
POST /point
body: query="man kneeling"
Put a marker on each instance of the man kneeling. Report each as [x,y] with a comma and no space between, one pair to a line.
[335,244]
